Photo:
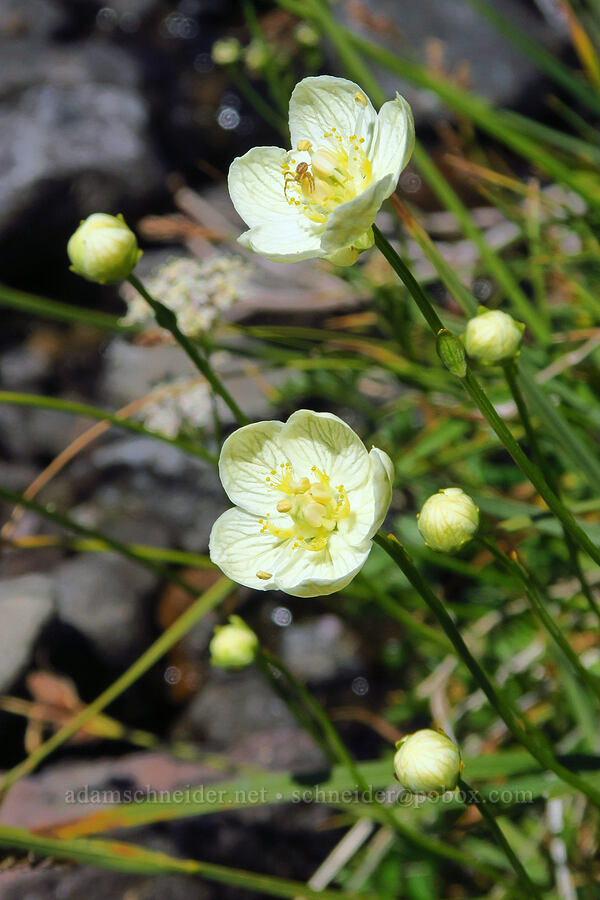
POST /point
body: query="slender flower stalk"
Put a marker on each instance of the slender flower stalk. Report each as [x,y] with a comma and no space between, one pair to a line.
[167,319]
[473,797]
[531,740]
[335,746]
[512,565]
[479,396]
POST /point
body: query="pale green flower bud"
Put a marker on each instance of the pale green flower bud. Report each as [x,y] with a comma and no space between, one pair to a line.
[103,249]
[226,51]
[306,35]
[234,645]
[493,336]
[256,56]
[427,762]
[448,520]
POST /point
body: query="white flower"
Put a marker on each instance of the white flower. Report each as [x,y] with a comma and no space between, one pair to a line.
[493,336]
[427,762]
[448,520]
[234,645]
[320,199]
[309,498]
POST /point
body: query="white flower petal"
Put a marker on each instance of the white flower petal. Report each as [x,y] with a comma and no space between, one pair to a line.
[321,439]
[287,240]
[248,457]
[239,548]
[324,105]
[256,185]
[370,502]
[349,221]
[394,139]
[382,479]
[316,574]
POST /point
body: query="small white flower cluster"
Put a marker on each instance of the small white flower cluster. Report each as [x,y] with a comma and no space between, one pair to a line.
[179,404]
[198,292]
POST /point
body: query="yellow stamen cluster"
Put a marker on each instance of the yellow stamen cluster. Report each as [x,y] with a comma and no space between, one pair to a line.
[314,507]
[332,177]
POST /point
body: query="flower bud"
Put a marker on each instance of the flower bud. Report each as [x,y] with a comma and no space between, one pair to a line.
[103,249]
[234,645]
[493,336]
[427,762]
[452,353]
[256,56]
[306,35]
[226,51]
[448,520]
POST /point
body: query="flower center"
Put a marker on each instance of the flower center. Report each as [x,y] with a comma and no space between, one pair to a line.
[314,507]
[332,177]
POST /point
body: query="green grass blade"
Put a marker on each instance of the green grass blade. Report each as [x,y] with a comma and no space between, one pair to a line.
[562,432]
[203,605]
[52,515]
[30,304]
[520,303]
[93,412]
[545,60]
[123,857]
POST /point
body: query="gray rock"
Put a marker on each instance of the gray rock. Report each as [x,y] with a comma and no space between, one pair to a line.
[101,596]
[26,604]
[72,115]
[231,707]
[73,884]
[499,71]
[320,648]
[22,367]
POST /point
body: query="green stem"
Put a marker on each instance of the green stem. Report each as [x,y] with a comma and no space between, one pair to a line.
[168,638]
[474,798]
[166,318]
[477,393]
[328,728]
[530,740]
[415,289]
[516,568]
[510,373]
[122,549]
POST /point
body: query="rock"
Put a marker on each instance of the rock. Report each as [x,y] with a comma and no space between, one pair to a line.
[73,884]
[26,605]
[74,126]
[231,707]
[320,648]
[101,595]
[464,35]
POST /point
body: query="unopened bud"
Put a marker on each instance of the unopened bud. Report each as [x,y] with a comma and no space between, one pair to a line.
[226,51]
[234,645]
[448,520]
[493,337]
[452,353]
[427,762]
[103,249]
